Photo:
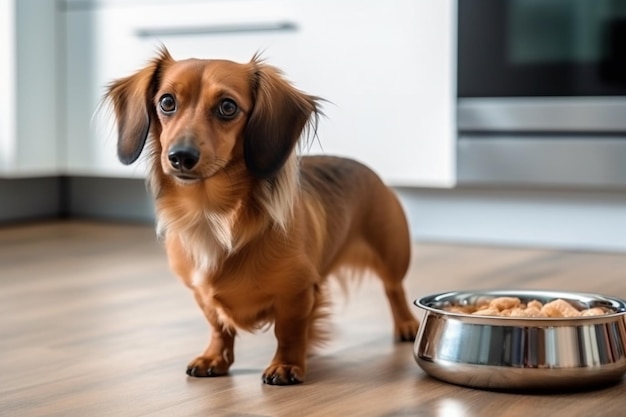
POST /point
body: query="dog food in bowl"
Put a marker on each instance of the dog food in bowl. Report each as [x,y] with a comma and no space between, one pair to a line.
[514,307]
[579,343]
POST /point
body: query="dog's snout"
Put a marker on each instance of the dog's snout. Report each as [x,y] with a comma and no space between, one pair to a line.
[183,157]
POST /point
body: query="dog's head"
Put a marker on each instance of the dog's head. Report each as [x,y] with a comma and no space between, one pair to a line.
[206,114]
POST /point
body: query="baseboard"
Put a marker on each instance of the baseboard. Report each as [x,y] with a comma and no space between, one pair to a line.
[121,199]
[564,219]
[25,199]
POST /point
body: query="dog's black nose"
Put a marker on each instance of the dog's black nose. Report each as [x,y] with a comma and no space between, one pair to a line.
[183,157]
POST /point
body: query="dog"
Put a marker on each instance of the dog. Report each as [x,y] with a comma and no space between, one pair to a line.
[253,228]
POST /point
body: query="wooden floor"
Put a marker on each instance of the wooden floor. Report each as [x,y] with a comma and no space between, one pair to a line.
[93,324]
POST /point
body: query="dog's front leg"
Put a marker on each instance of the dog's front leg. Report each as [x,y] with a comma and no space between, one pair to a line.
[219,355]
[292,320]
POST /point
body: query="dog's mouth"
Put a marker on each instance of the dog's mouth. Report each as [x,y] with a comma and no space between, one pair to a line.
[191,177]
[186,179]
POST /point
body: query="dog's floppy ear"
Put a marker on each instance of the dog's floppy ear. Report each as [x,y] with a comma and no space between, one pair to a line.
[279,115]
[134,110]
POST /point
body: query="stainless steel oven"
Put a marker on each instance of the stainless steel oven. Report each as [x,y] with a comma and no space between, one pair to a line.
[542,92]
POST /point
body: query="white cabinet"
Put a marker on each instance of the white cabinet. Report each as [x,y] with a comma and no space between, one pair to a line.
[385,67]
[29,108]
[388,67]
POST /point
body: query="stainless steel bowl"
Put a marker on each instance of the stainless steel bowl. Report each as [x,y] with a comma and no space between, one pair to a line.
[522,353]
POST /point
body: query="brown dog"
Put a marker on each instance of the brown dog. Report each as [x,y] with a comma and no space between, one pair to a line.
[253,229]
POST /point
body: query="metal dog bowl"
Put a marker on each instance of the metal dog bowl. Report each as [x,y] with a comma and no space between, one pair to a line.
[507,353]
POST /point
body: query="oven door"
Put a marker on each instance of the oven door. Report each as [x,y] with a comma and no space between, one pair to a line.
[540,48]
[542,92]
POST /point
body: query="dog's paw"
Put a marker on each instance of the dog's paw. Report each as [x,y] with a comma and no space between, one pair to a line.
[205,366]
[407,330]
[283,374]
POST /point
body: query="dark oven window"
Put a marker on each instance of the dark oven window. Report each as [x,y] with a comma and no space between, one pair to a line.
[521,48]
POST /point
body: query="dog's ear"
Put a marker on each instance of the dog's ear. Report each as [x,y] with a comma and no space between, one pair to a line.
[279,115]
[132,99]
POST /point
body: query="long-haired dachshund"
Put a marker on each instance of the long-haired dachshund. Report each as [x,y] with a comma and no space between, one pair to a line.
[253,229]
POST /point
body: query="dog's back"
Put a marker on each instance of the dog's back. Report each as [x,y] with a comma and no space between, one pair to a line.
[364,221]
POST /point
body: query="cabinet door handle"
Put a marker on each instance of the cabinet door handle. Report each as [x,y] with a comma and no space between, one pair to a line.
[283,26]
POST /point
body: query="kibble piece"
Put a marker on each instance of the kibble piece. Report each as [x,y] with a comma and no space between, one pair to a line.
[596,311]
[527,312]
[487,312]
[505,303]
[560,308]
[461,309]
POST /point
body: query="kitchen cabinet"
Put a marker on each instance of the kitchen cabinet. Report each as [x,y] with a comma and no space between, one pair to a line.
[29,108]
[386,69]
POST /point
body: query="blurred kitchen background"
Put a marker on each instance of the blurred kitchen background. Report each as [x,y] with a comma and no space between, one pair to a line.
[498,121]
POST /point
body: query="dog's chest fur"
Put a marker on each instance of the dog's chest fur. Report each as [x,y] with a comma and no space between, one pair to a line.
[208,242]
[207,237]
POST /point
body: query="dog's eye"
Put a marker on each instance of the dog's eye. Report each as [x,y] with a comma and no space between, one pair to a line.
[167,104]
[227,109]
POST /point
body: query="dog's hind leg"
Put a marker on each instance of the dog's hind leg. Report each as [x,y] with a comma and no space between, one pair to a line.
[406,324]
[288,366]
[390,244]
